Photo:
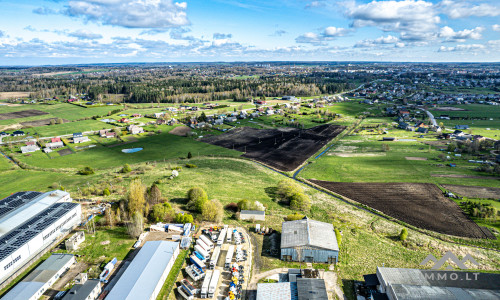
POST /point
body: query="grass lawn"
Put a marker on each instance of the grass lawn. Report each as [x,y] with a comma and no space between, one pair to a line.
[29,180]
[168,286]
[156,148]
[94,252]
[70,128]
[5,164]
[360,158]
[61,110]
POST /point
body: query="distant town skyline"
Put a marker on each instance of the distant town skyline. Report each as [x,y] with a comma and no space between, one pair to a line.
[114,31]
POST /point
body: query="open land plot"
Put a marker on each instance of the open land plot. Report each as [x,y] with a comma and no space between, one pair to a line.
[157,147]
[43,122]
[22,114]
[180,130]
[69,128]
[60,110]
[13,95]
[419,204]
[392,165]
[284,148]
[474,191]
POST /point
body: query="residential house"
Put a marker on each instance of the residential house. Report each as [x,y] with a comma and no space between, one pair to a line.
[55,143]
[461,127]
[231,119]
[134,129]
[30,147]
[136,115]
[80,138]
[110,134]
[123,120]
[18,133]
[254,115]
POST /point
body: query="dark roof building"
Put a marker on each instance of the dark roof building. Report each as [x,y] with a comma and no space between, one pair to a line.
[90,290]
[311,289]
[413,284]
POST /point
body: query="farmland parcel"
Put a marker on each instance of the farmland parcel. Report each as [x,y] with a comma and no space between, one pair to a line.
[284,149]
[418,204]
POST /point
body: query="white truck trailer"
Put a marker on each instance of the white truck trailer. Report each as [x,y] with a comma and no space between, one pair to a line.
[214,281]
[206,284]
[207,241]
[229,257]
[215,258]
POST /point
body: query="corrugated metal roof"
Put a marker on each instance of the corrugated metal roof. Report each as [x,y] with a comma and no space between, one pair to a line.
[392,276]
[277,291]
[308,233]
[253,212]
[311,289]
[413,292]
[30,285]
[144,272]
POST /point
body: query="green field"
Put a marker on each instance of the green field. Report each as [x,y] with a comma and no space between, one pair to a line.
[69,128]
[360,158]
[61,110]
[158,147]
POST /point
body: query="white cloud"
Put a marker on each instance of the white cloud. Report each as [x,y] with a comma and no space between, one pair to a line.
[328,34]
[462,47]
[85,35]
[383,40]
[334,31]
[460,9]
[450,35]
[130,13]
[413,20]
[496,27]
[310,38]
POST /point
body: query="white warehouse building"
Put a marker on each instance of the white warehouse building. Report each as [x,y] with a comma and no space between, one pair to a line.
[41,278]
[144,277]
[37,233]
[21,206]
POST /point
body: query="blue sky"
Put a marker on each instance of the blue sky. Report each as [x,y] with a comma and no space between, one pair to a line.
[100,31]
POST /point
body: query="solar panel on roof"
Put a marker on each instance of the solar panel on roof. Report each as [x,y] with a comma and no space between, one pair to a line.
[20,236]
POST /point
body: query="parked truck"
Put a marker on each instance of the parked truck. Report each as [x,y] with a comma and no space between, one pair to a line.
[206,284]
[214,258]
[214,281]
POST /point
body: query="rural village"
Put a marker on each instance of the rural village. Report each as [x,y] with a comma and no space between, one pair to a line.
[250,181]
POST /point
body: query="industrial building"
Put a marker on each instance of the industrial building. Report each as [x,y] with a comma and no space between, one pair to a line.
[413,284]
[88,290]
[253,215]
[20,245]
[309,241]
[299,289]
[40,279]
[144,277]
[22,206]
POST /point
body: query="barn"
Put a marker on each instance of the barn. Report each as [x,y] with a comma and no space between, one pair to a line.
[309,241]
